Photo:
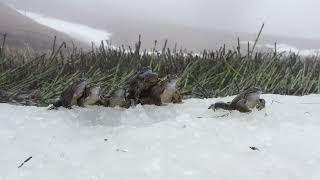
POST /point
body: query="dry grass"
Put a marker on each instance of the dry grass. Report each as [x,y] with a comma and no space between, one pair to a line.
[42,77]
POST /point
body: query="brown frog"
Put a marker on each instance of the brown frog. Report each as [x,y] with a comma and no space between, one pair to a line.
[116,98]
[71,95]
[170,93]
[143,80]
[162,93]
[243,102]
[91,96]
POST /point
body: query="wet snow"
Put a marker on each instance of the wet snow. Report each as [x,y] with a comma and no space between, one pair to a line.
[177,141]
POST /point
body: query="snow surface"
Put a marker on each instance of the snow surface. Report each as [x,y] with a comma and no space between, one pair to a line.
[78,31]
[181,141]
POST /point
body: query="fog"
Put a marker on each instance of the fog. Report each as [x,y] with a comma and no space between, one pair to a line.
[191,24]
[296,18]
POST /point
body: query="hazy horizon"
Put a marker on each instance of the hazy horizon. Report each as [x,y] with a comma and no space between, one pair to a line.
[294,18]
[194,25]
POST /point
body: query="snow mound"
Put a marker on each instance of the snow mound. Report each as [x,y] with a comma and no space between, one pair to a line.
[181,141]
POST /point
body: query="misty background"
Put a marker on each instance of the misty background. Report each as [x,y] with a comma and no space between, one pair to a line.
[192,24]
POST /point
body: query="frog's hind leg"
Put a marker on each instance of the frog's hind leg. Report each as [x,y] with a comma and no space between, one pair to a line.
[56,105]
[220,105]
[176,98]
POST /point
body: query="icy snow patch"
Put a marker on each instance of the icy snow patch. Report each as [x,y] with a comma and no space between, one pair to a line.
[181,141]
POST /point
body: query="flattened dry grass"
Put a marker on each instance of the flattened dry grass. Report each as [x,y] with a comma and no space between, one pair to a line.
[41,77]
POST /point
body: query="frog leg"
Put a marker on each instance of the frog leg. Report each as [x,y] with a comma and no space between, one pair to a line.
[176,98]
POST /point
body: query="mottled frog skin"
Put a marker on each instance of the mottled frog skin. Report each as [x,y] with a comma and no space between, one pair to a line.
[91,96]
[117,98]
[143,80]
[162,93]
[170,93]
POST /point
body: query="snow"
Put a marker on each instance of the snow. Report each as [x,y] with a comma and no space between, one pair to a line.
[177,141]
[81,32]
[285,48]
[282,47]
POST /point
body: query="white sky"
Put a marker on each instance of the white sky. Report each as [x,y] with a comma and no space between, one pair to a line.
[297,18]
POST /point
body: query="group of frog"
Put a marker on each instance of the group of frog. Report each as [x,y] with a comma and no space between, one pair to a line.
[145,87]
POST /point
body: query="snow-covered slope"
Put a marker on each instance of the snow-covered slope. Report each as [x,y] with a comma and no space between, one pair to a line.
[184,141]
[78,31]
[285,48]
